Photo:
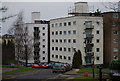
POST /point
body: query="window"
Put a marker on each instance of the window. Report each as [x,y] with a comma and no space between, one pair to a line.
[97,49]
[64,57]
[60,32]
[114,23]
[115,32]
[74,40]
[43,46]
[74,22]
[74,32]
[43,28]
[69,58]
[52,40]
[56,56]
[43,40]
[60,48]
[56,48]
[60,40]
[116,40]
[43,34]
[65,24]
[65,32]
[43,58]
[52,56]
[69,40]
[64,49]
[56,40]
[65,41]
[98,58]
[60,57]
[60,24]
[98,32]
[52,33]
[115,49]
[115,15]
[43,52]
[69,32]
[97,40]
[56,24]
[69,49]
[69,23]
[56,32]
[115,58]
[52,48]
[36,28]
[52,25]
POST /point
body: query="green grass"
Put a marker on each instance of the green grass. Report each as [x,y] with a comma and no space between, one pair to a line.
[83,78]
[20,69]
[12,66]
[89,70]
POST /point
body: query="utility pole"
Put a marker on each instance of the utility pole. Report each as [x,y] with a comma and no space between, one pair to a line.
[93,67]
[26,56]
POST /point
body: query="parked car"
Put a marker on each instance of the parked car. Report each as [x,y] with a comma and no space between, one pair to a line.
[58,67]
[39,66]
[68,67]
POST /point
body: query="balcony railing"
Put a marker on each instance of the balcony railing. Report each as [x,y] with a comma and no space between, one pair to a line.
[89,45]
[89,26]
[89,35]
[38,31]
[90,54]
[37,37]
[36,49]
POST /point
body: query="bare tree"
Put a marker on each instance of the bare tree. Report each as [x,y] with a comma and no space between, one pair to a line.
[23,48]
[111,6]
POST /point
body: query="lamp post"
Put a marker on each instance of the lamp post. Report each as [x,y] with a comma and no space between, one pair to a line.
[93,66]
[26,55]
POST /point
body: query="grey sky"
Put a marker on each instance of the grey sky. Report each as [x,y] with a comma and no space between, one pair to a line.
[48,10]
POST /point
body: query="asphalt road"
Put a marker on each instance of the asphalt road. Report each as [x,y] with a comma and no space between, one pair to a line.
[41,75]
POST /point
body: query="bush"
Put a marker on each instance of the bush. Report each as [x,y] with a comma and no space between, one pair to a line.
[115,65]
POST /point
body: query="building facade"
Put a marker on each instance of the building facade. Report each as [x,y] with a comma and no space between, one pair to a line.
[82,33]
[111,36]
[36,36]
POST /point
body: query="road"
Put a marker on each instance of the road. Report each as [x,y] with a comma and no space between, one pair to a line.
[32,76]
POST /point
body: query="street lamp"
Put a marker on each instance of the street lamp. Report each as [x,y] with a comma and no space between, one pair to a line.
[93,65]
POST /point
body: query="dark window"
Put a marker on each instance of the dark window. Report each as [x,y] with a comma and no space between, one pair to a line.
[97,49]
[43,34]
[74,22]
[60,24]
[52,33]
[43,58]
[65,32]
[69,58]
[57,48]
[52,56]
[56,56]
[56,32]
[98,40]
[65,41]
[52,40]
[56,40]
[60,40]
[64,49]
[74,40]
[52,48]
[65,24]
[43,28]
[60,32]
[98,58]
[60,48]
[69,49]
[64,57]
[98,32]
[43,52]
[69,40]
[69,32]
[60,57]
[74,32]
[69,23]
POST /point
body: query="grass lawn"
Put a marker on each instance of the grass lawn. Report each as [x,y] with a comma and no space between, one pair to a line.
[83,78]
[89,70]
[20,69]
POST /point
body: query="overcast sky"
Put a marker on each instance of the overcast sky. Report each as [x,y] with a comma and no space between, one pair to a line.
[48,10]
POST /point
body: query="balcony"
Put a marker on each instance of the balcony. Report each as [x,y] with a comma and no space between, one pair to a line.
[89,27]
[36,37]
[89,35]
[36,49]
[36,32]
[89,54]
[88,60]
[36,56]
[89,45]
[37,44]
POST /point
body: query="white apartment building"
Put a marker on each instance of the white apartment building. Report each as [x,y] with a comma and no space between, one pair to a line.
[38,36]
[84,33]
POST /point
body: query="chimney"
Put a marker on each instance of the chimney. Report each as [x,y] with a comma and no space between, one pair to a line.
[35,16]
